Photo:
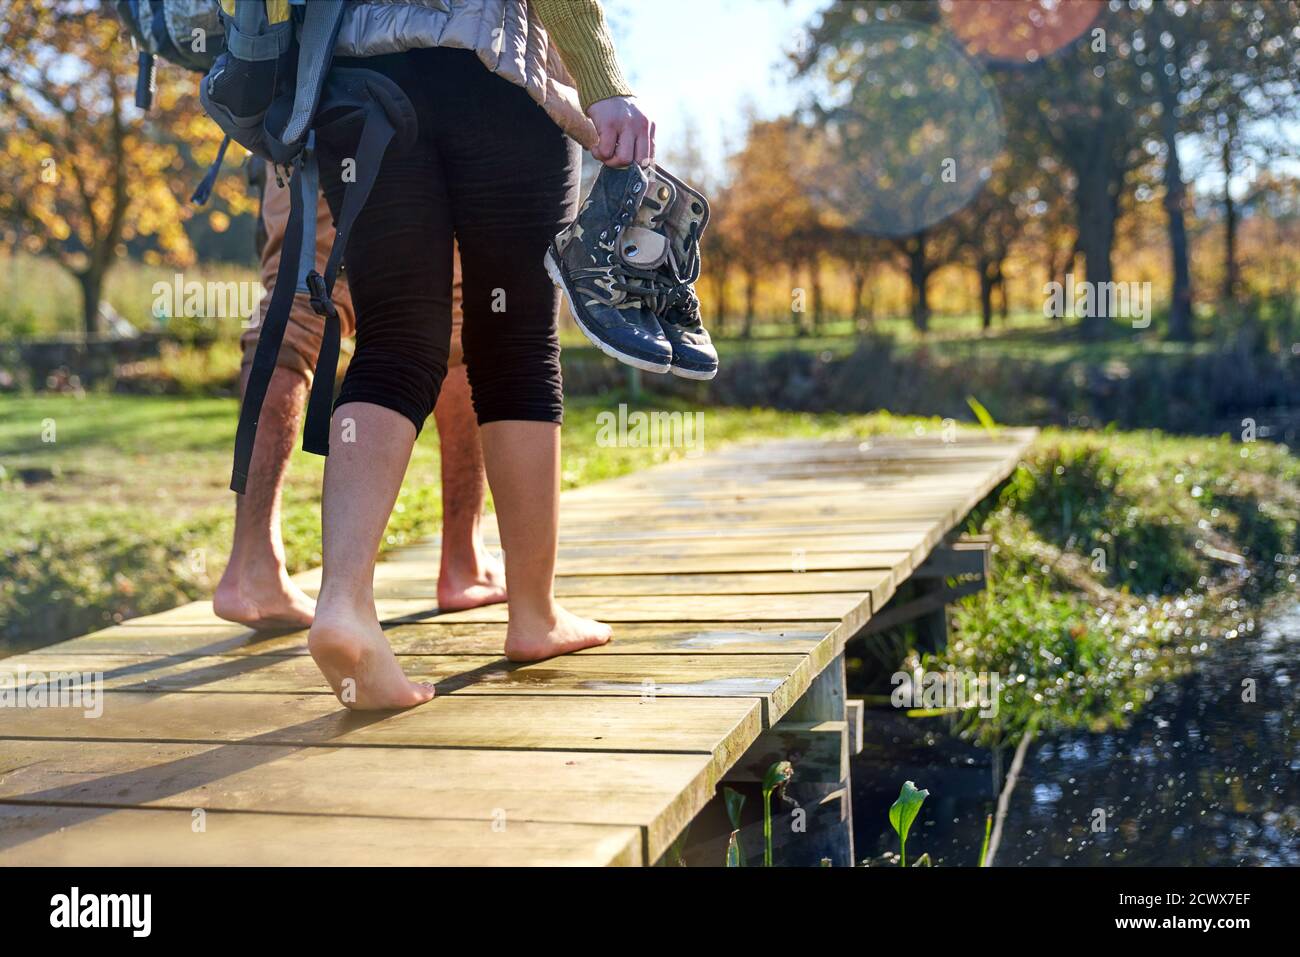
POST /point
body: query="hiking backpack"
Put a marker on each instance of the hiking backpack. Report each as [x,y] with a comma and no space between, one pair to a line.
[185,32]
[266,91]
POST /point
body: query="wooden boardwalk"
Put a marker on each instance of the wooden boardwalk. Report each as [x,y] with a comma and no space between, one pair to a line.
[733,581]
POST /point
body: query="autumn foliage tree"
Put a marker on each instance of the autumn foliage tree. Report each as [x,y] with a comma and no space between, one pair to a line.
[85,172]
[772,224]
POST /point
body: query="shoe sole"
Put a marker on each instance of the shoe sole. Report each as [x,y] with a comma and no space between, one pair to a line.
[695,373]
[557,277]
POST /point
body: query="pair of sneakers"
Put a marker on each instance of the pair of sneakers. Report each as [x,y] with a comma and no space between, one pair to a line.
[627,266]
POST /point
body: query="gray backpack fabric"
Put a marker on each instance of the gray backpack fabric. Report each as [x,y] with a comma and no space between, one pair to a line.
[187,33]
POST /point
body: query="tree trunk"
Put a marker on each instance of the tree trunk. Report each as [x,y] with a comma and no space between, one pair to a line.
[918,273]
[1096,214]
[720,297]
[1180,310]
[1231,273]
[751,301]
[797,315]
[92,285]
[986,295]
[1004,304]
[818,303]
[859,290]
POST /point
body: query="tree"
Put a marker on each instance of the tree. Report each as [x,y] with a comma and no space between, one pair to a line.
[84,172]
[771,220]
[1088,105]
[986,230]
[1247,79]
[910,127]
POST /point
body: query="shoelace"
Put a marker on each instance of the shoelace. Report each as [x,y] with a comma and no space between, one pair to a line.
[673,286]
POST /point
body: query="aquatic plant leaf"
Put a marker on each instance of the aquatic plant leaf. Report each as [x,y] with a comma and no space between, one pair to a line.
[903,812]
[981,413]
[776,778]
[734,858]
[778,774]
[734,801]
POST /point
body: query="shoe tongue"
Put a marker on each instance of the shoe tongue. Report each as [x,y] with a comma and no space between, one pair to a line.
[642,247]
[659,195]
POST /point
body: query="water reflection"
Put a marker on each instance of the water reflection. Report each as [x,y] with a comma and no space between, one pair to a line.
[1201,777]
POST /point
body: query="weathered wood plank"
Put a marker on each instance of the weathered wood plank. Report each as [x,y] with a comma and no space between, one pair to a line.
[809,606]
[655,792]
[60,836]
[776,680]
[438,638]
[721,727]
[609,586]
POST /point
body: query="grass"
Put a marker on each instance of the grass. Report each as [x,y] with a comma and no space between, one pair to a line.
[39,299]
[1118,557]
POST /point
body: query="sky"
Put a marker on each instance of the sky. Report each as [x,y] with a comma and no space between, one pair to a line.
[698,66]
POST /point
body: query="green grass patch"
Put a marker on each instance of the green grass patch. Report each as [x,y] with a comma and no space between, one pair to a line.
[1118,557]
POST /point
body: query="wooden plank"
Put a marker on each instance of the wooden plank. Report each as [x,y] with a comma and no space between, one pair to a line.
[809,606]
[572,557]
[656,792]
[721,727]
[61,836]
[739,583]
[435,638]
[900,563]
[780,544]
[777,680]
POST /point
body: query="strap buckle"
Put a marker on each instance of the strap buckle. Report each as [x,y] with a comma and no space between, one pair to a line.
[321,303]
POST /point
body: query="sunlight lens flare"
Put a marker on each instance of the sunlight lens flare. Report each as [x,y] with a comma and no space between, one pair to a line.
[914,138]
[1018,31]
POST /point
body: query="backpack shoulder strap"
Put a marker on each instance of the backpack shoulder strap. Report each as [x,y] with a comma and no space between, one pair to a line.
[272,333]
[316,38]
[376,133]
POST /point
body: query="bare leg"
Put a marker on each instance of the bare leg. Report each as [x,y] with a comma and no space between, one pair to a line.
[469,575]
[523,466]
[362,479]
[255,589]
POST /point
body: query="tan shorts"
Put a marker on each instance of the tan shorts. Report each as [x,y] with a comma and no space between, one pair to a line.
[303,334]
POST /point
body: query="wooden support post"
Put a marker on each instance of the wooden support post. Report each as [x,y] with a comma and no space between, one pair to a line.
[932,625]
[822,826]
[855,711]
[965,563]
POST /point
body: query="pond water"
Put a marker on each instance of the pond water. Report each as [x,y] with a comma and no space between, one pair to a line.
[1200,777]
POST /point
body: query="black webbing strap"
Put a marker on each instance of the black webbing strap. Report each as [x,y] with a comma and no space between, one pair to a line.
[272,334]
[203,191]
[376,134]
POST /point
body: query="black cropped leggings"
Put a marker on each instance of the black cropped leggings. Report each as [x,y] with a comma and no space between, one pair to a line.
[493,170]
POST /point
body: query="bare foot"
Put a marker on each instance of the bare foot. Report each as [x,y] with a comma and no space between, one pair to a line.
[351,651]
[262,601]
[460,588]
[535,640]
